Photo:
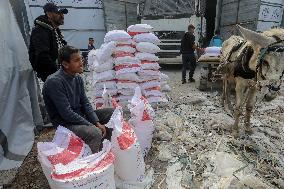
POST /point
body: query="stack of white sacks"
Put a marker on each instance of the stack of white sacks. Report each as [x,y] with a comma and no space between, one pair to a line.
[127,60]
[150,76]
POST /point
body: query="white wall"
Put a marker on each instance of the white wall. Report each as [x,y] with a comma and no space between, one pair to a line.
[85,19]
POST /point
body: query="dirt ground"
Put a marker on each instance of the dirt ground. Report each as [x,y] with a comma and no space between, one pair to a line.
[190,141]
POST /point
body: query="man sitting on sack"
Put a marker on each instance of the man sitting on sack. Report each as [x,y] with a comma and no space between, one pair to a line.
[67,104]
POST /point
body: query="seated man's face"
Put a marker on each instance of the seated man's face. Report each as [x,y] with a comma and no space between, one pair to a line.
[75,65]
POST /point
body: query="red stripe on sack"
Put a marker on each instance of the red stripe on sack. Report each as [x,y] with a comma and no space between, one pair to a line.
[135,33]
[114,103]
[99,105]
[127,45]
[127,138]
[153,88]
[146,115]
[125,81]
[106,161]
[69,154]
[122,54]
[119,67]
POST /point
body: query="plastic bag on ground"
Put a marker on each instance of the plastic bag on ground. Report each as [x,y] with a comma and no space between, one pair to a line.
[117,35]
[95,171]
[129,163]
[147,56]
[147,47]
[65,148]
[146,37]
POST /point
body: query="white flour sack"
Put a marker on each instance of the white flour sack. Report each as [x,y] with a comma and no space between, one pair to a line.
[105,66]
[104,76]
[125,48]
[126,60]
[149,73]
[107,84]
[117,35]
[129,164]
[150,84]
[127,68]
[65,148]
[213,50]
[147,47]
[99,93]
[95,171]
[147,56]
[150,66]
[126,85]
[146,37]
[141,119]
[127,77]
[140,28]
[91,58]
[105,51]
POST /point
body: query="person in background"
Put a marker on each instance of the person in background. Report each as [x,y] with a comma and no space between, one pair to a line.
[91,44]
[67,104]
[216,40]
[45,41]
[188,57]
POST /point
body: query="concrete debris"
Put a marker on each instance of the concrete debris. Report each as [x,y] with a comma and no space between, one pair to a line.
[165,153]
[174,176]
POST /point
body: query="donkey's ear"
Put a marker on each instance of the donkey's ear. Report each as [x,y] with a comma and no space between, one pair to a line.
[254,37]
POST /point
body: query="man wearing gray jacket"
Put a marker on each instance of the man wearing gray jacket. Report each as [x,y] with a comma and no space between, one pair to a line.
[67,104]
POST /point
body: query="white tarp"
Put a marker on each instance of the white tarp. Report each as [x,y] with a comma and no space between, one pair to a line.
[19,110]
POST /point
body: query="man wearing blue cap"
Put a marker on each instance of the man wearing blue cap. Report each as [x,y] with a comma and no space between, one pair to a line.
[46,39]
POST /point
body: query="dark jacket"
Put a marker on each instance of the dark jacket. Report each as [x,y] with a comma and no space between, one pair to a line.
[187,42]
[66,102]
[44,44]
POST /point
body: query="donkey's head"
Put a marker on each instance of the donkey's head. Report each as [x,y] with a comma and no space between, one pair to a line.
[268,58]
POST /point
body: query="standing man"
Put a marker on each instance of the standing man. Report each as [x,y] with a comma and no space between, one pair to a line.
[46,39]
[91,44]
[188,57]
[67,104]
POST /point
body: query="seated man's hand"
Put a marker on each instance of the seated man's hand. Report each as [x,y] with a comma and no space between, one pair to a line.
[102,128]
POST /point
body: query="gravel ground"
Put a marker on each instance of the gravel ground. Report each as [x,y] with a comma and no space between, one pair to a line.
[190,131]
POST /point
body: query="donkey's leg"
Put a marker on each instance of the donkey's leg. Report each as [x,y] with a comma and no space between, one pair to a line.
[251,99]
[240,97]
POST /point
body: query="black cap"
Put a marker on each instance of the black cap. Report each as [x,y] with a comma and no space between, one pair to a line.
[51,7]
